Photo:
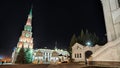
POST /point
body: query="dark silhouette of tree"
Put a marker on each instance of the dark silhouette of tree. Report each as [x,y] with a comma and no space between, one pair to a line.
[87,37]
[81,37]
[72,42]
[21,57]
[24,56]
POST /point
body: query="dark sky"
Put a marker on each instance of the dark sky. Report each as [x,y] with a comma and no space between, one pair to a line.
[53,20]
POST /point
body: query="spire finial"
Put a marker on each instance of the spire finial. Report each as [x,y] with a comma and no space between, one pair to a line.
[56,45]
[31,11]
[29,17]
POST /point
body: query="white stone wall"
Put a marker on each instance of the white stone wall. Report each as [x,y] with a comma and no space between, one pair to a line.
[112,18]
[80,49]
[111,50]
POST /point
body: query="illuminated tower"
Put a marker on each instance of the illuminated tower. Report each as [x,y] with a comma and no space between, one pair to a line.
[25,40]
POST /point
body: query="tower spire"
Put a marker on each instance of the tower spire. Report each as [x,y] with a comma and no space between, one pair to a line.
[30,13]
[29,20]
[56,46]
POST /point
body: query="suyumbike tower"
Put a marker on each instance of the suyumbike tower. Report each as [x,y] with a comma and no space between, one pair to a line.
[25,40]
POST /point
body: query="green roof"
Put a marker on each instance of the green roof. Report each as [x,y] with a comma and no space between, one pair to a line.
[30,12]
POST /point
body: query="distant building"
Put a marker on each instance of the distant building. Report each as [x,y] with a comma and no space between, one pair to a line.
[5,60]
[42,56]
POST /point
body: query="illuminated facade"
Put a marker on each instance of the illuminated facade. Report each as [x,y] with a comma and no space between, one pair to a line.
[25,40]
[42,56]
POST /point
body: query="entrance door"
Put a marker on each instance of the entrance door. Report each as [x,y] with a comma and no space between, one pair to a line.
[87,56]
[46,59]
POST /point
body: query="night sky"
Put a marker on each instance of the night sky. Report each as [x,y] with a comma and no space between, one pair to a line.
[53,20]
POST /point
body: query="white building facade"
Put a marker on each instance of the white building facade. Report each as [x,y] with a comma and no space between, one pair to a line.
[82,53]
[42,56]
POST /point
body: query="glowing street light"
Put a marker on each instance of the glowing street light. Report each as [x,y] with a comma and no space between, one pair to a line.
[88,43]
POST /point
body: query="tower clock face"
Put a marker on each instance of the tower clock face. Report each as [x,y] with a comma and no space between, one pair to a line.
[27,35]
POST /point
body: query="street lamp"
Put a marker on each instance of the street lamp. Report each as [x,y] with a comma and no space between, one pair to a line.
[88,43]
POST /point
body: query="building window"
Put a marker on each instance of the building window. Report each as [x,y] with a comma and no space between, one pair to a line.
[43,57]
[80,55]
[44,53]
[78,47]
[75,55]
